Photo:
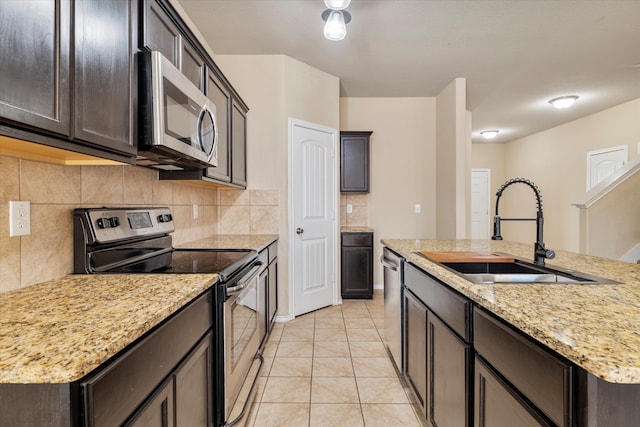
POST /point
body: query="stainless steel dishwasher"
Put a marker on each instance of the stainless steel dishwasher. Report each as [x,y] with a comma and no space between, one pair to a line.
[393,272]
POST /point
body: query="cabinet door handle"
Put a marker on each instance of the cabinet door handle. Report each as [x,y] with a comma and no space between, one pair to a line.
[299,230]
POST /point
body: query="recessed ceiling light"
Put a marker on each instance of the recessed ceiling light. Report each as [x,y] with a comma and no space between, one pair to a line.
[563,101]
[489,134]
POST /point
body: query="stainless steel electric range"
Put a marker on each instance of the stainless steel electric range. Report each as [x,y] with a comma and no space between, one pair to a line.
[138,241]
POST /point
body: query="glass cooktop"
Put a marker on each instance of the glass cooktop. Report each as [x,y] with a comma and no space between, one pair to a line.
[192,261]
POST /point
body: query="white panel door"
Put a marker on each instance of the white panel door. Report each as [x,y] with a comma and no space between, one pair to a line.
[480,184]
[603,163]
[314,222]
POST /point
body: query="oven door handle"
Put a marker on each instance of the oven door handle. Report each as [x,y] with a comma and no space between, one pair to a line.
[243,283]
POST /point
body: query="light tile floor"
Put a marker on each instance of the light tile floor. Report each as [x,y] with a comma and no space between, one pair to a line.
[330,368]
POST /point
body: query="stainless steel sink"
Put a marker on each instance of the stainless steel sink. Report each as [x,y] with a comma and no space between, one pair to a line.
[523,278]
[519,271]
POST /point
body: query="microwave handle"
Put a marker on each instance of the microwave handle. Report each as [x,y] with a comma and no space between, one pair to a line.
[243,283]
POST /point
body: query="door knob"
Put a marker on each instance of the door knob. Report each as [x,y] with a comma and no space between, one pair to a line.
[299,230]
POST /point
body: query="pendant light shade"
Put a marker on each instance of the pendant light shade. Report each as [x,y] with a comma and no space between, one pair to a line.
[335,29]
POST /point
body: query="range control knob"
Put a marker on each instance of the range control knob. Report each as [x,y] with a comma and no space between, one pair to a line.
[112,222]
[165,218]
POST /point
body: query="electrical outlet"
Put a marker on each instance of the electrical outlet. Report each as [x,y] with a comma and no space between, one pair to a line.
[195,212]
[349,208]
[19,218]
[418,208]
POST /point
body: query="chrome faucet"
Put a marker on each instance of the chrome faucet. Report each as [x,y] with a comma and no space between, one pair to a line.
[539,250]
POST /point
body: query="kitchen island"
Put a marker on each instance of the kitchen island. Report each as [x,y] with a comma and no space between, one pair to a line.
[593,329]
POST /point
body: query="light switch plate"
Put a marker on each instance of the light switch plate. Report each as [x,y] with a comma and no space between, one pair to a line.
[195,212]
[19,218]
[418,208]
[349,208]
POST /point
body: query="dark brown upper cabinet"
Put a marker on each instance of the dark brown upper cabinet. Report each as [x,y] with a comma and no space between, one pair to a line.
[35,52]
[163,34]
[105,73]
[160,32]
[354,161]
[166,32]
[239,144]
[219,94]
[40,42]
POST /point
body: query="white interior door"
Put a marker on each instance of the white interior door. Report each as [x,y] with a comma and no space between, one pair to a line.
[603,163]
[314,226]
[480,184]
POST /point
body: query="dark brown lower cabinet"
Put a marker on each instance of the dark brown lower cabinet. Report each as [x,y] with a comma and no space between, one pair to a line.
[437,358]
[356,276]
[163,379]
[415,346]
[193,381]
[448,361]
[185,398]
[497,405]
[159,411]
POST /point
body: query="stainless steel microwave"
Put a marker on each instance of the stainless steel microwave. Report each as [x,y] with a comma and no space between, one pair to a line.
[177,127]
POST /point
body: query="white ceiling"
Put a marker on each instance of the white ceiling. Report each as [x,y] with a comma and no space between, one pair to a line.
[515,54]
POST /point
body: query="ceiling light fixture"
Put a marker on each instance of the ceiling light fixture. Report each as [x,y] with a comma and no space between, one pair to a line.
[489,134]
[563,101]
[337,4]
[336,19]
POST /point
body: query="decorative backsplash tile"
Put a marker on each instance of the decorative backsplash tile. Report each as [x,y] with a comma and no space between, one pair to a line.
[359,215]
[55,190]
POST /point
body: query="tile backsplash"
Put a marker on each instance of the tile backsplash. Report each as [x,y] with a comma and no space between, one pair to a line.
[359,215]
[55,190]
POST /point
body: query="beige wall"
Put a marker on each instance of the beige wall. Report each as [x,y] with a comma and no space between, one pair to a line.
[402,161]
[452,165]
[555,160]
[277,87]
[611,225]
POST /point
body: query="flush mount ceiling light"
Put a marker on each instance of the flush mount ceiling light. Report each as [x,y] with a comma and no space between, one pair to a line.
[489,134]
[563,101]
[336,19]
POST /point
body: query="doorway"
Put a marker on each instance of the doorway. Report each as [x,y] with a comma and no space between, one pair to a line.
[313,228]
[480,203]
[603,163]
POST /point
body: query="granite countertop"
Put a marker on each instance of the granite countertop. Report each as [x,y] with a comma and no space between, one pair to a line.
[233,241]
[61,330]
[356,229]
[597,327]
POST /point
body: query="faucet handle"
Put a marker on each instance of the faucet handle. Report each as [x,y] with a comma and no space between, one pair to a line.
[496,228]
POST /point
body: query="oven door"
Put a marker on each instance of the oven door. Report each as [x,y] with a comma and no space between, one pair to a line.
[241,342]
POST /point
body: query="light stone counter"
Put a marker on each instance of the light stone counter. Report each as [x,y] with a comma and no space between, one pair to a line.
[356,229]
[61,330]
[597,327]
[231,241]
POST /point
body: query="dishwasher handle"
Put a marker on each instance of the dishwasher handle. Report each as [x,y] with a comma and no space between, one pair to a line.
[387,263]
